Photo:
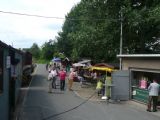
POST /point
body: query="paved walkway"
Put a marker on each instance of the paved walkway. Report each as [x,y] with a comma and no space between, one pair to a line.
[88,90]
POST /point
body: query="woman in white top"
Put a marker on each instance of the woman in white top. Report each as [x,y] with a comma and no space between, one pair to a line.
[52,79]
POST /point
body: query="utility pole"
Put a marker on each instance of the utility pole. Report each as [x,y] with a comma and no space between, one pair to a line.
[121,38]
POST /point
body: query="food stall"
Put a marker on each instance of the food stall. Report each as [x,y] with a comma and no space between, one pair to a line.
[107,82]
[140,81]
[143,69]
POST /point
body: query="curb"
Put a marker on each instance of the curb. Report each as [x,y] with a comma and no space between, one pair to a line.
[29,86]
[18,108]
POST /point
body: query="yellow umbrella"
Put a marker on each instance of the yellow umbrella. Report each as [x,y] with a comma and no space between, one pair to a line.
[107,69]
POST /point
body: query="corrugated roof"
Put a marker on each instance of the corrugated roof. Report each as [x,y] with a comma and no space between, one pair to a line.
[138,55]
[84,61]
[103,65]
[2,44]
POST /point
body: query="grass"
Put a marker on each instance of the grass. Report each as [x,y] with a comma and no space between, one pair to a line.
[41,61]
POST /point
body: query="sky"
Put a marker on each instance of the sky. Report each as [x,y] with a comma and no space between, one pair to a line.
[22,31]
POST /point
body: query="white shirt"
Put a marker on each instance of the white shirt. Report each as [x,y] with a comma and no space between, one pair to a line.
[153,89]
[49,76]
[95,76]
[54,73]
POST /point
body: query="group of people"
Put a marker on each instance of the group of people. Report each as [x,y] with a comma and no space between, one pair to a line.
[54,73]
[82,75]
[99,78]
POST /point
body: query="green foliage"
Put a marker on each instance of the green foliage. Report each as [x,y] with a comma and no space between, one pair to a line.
[42,61]
[35,50]
[59,55]
[89,33]
[92,30]
[48,50]
[140,27]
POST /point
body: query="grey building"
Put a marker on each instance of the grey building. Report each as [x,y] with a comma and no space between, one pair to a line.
[142,69]
[10,79]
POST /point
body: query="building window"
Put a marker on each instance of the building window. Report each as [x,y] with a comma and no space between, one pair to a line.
[143,79]
[1,71]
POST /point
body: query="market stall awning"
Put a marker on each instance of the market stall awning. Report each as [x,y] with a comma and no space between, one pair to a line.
[106,65]
[56,60]
[78,65]
[102,68]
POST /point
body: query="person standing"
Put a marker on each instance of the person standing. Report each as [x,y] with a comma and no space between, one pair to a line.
[99,87]
[71,78]
[50,82]
[95,75]
[54,77]
[81,76]
[62,76]
[153,95]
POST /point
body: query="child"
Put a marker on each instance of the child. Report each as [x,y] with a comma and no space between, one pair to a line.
[99,87]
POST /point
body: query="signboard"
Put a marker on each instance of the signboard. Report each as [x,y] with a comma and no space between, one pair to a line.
[140,94]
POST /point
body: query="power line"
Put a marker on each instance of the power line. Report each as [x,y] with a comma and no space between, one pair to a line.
[51,17]
[29,15]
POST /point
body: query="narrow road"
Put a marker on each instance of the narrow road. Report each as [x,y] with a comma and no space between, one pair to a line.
[66,105]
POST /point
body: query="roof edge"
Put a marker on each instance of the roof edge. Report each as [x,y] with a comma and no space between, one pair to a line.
[137,55]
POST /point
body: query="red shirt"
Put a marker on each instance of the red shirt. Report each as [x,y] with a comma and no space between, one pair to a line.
[62,75]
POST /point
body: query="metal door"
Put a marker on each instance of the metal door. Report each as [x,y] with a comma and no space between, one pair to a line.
[12,83]
[121,85]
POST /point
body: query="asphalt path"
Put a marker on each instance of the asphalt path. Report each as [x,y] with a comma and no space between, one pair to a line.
[66,105]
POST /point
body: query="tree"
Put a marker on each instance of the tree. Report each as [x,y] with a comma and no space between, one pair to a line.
[35,50]
[48,49]
[140,27]
[92,29]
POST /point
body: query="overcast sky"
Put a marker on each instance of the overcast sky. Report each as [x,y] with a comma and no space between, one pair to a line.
[23,31]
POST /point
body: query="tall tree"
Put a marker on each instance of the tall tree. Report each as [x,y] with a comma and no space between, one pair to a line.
[48,49]
[35,50]
[92,28]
